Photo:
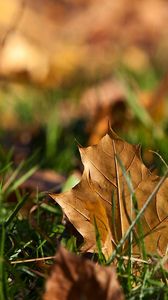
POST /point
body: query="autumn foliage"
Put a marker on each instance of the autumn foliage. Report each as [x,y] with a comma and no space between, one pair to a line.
[103,195]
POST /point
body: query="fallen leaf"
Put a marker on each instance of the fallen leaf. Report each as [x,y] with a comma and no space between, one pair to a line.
[43,180]
[102,102]
[76,278]
[155,101]
[103,180]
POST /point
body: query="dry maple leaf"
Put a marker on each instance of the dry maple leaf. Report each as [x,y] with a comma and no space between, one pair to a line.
[76,278]
[103,180]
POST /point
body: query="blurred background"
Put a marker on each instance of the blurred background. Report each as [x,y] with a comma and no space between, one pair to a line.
[69,68]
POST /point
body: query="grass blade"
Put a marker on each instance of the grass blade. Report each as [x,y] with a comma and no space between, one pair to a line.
[98,242]
[2,272]
[21,180]
[16,210]
[150,198]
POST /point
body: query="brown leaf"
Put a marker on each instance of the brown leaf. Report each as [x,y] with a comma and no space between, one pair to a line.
[76,278]
[43,180]
[103,180]
[102,102]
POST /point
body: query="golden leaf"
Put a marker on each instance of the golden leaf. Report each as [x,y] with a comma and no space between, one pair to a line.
[102,181]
